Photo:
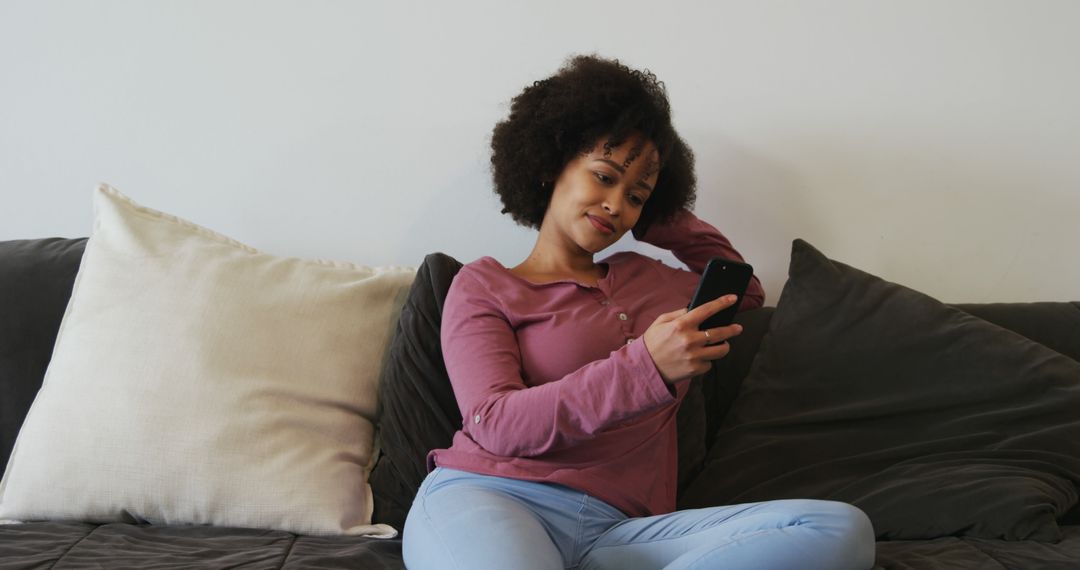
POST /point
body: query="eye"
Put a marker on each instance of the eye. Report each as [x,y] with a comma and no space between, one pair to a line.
[603,178]
[636,200]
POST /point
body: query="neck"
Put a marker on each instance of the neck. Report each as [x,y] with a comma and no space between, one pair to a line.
[556,254]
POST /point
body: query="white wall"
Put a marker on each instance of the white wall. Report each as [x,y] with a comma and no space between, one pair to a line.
[934,144]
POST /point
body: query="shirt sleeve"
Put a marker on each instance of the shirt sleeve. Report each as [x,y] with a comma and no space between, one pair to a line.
[694,241]
[508,418]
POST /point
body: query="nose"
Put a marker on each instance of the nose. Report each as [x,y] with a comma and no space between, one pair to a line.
[613,202]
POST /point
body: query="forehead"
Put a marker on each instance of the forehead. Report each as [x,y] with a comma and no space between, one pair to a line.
[633,144]
[635,153]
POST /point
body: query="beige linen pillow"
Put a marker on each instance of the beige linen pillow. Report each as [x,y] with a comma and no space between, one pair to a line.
[196,380]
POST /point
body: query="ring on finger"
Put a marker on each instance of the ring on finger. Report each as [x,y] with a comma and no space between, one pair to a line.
[706,337]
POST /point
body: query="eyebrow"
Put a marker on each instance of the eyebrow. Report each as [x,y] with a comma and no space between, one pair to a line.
[623,171]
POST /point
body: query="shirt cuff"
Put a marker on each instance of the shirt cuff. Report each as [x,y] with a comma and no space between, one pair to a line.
[650,377]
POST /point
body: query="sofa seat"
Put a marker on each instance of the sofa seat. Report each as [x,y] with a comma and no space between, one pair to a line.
[120,545]
[77,545]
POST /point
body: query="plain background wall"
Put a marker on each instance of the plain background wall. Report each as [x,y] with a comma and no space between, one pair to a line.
[934,144]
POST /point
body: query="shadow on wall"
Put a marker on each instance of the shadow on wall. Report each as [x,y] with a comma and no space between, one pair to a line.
[462,218]
[760,204]
[934,219]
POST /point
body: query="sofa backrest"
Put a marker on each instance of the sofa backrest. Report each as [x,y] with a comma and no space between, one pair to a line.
[36,279]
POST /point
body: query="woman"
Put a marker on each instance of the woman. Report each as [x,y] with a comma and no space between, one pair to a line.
[569,371]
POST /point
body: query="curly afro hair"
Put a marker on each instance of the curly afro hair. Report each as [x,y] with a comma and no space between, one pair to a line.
[555,119]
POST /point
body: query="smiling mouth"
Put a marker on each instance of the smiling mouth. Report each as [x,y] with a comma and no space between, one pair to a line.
[600,225]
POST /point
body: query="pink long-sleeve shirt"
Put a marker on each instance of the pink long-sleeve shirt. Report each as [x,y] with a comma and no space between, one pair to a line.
[553,381]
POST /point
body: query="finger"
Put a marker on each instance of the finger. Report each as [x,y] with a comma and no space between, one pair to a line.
[715,351]
[700,313]
[720,334]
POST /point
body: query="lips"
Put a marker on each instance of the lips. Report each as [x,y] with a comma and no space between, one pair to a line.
[601,224]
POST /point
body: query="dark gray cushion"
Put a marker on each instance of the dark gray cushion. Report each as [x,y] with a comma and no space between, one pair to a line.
[933,421]
[416,407]
[36,277]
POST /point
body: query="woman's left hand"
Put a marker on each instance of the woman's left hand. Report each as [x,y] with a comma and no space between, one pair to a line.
[679,349]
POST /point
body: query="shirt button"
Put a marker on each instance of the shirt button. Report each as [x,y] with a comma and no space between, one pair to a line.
[629,340]
[605,302]
[623,317]
[476,419]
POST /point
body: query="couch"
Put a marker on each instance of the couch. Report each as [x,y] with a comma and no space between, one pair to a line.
[745,433]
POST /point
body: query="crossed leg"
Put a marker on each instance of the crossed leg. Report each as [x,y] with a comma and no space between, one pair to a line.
[781,534]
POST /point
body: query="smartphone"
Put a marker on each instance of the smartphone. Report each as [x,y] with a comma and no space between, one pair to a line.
[721,277]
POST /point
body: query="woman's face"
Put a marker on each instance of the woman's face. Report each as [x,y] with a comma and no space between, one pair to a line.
[599,196]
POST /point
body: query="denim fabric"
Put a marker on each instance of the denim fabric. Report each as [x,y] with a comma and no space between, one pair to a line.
[471,521]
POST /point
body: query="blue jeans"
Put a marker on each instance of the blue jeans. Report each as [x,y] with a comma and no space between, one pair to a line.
[469,521]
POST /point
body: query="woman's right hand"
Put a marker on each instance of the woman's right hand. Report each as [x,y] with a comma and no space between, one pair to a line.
[681,351]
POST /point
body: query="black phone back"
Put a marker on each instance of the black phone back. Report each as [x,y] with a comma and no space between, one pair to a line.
[721,277]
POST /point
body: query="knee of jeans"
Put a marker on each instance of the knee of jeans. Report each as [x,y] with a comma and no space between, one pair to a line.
[859,533]
[858,520]
[852,518]
[851,527]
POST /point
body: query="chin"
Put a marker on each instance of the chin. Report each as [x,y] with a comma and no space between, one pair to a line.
[595,248]
[595,242]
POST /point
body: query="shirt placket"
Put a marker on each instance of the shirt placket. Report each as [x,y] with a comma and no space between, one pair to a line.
[619,315]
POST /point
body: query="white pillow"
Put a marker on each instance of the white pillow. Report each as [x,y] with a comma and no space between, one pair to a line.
[196,380]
